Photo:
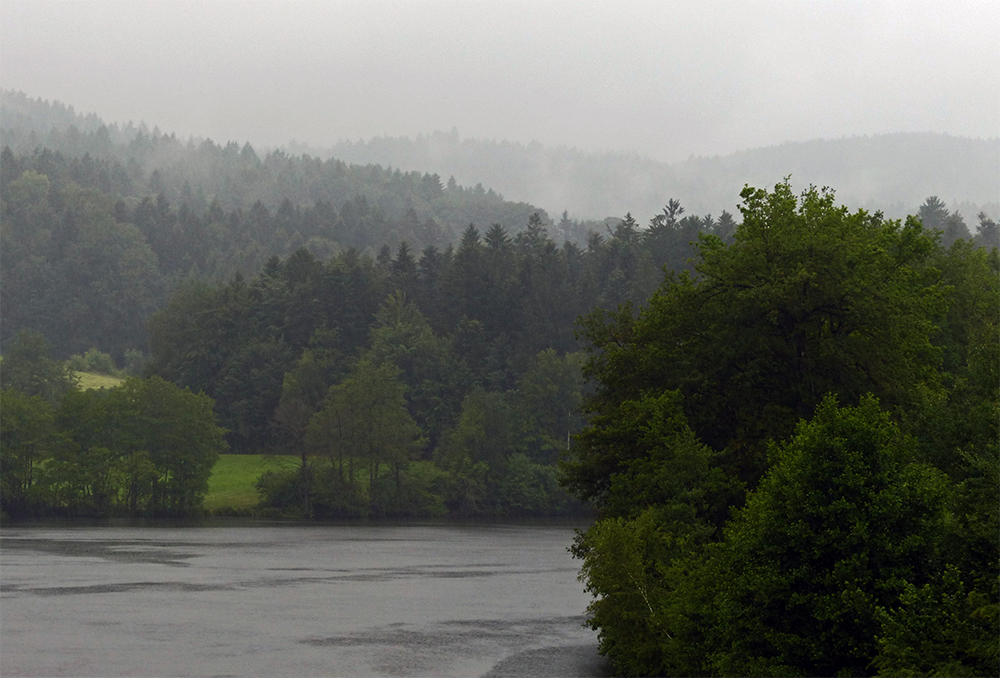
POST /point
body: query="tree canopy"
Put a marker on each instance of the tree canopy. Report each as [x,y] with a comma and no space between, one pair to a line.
[779,445]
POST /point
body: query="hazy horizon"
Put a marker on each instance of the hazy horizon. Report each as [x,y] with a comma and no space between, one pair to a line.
[667,79]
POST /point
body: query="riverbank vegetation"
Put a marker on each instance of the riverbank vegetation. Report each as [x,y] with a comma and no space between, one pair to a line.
[143,447]
[788,425]
[794,453]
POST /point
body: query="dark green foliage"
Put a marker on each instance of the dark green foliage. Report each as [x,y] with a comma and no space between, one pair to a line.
[869,537]
[528,488]
[27,437]
[281,489]
[86,471]
[331,496]
[87,263]
[643,453]
[364,420]
[27,368]
[413,494]
[248,390]
[433,386]
[496,315]
[548,401]
[177,429]
[87,260]
[652,587]
[145,447]
[409,491]
[73,272]
[943,628]
[661,508]
[473,452]
[749,525]
[840,523]
[809,299]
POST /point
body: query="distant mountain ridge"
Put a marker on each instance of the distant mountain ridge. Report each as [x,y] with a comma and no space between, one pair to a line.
[894,173]
[132,162]
[891,172]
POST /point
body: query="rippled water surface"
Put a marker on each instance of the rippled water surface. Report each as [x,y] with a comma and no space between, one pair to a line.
[292,601]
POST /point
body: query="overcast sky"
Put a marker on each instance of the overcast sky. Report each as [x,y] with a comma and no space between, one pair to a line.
[665,78]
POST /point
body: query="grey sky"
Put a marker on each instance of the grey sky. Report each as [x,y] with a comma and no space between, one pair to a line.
[667,78]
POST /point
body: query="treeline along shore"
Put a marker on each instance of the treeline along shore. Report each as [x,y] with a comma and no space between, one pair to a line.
[784,423]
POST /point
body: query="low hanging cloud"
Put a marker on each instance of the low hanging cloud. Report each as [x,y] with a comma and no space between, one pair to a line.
[664,79]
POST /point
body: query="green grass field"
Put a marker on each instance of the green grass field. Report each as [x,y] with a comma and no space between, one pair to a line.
[232,482]
[89,380]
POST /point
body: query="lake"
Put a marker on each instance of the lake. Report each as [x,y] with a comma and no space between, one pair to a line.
[291,600]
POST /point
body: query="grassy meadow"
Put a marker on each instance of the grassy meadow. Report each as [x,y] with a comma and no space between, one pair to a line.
[232,482]
[89,380]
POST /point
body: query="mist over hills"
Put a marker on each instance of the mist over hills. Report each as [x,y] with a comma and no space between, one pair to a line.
[132,162]
[892,172]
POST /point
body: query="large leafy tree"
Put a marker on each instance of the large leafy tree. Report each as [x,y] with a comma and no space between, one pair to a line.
[173,429]
[841,522]
[364,418]
[809,299]
[843,541]
[644,561]
[949,625]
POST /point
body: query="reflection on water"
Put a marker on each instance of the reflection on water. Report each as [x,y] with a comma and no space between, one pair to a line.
[436,600]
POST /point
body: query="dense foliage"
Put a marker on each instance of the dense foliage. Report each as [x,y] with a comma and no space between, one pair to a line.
[480,337]
[795,454]
[87,262]
[143,448]
[791,442]
[275,309]
[87,265]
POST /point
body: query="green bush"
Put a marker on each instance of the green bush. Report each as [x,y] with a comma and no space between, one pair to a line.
[135,362]
[412,492]
[280,489]
[334,496]
[529,488]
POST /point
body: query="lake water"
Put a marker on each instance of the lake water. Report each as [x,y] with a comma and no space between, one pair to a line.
[359,600]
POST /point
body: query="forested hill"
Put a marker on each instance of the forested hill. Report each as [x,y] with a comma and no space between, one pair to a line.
[132,161]
[892,172]
[102,224]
